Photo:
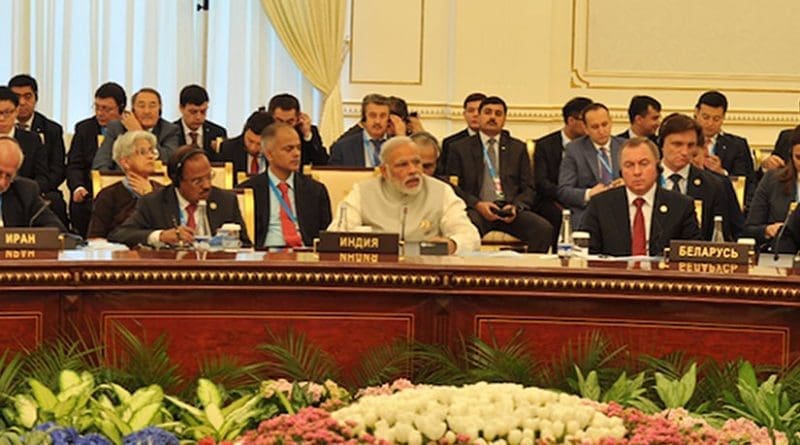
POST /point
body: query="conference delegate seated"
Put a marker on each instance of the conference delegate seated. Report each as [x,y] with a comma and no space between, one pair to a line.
[172,215]
[405,201]
[291,208]
[639,218]
[135,152]
[20,202]
[771,200]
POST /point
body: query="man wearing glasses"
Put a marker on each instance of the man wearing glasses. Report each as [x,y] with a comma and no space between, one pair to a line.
[188,207]
[146,116]
[109,103]
[20,202]
[34,164]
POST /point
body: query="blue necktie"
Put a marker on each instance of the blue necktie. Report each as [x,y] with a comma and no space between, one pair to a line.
[376,145]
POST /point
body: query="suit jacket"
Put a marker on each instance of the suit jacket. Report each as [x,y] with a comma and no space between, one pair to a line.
[312,203]
[312,151]
[447,143]
[466,161]
[52,135]
[211,131]
[709,188]
[159,210]
[770,204]
[21,201]
[579,171]
[546,162]
[783,146]
[165,132]
[81,154]
[233,151]
[608,222]
[348,151]
[627,135]
[34,166]
[735,155]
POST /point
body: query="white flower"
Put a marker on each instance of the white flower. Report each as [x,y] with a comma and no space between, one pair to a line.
[514,437]
[415,438]
[402,431]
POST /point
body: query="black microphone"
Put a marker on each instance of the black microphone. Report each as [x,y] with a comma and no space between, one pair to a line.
[403,224]
[45,204]
[657,232]
[776,242]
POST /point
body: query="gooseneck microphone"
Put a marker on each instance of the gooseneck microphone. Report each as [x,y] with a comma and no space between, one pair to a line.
[403,224]
[45,204]
[777,241]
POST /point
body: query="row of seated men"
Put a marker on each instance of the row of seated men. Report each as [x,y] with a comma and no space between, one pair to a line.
[360,146]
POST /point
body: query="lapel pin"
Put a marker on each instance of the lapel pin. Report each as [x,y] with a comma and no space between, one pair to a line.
[697,182]
[212,205]
[425,224]
[663,208]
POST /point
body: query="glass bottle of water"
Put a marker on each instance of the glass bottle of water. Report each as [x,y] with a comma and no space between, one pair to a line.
[565,235]
[718,236]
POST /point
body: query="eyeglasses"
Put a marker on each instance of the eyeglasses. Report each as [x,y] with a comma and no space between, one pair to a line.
[197,182]
[146,152]
[104,108]
[7,113]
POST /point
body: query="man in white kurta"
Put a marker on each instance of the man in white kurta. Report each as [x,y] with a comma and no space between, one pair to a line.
[403,200]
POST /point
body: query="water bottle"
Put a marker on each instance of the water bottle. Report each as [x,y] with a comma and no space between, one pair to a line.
[718,235]
[565,235]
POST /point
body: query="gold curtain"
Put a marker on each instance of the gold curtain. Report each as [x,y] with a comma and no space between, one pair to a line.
[313,33]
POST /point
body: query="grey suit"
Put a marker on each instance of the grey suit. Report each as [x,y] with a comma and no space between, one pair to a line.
[579,171]
[165,132]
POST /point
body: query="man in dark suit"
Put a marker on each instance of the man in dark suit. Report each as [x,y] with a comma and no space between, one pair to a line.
[146,116]
[729,154]
[291,208]
[639,218]
[286,108]
[679,135]
[590,164]
[547,161]
[494,172]
[362,148]
[51,135]
[20,202]
[189,206]
[109,103]
[195,129]
[781,153]
[644,114]
[471,104]
[34,165]
[244,151]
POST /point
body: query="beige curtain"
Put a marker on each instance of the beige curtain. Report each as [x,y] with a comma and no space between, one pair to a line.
[313,33]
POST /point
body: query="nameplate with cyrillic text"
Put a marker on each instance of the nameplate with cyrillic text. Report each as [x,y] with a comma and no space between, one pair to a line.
[708,252]
[386,243]
[29,238]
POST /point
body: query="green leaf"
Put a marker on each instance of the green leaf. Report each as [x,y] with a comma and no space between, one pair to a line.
[44,397]
[214,416]
[67,379]
[122,394]
[146,396]
[144,416]
[26,410]
[747,375]
[109,430]
[208,393]
[198,414]
[588,387]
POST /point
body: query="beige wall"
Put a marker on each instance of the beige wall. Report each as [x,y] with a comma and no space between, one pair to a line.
[537,54]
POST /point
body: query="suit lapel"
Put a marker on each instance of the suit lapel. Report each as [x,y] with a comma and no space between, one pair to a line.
[476,151]
[615,147]
[172,212]
[622,219]
[590,156]
[299,204]
[658,221]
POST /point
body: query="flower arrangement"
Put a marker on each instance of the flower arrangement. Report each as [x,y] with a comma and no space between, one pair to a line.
[482,412]
[309,426]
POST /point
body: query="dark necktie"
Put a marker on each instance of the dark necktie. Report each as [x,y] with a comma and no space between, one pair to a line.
[676,182]
[254,167]
[638,238]
[22,126]
[376,149]
[605,175]
[193,135]
[488,188]
[290,236]
[190,221]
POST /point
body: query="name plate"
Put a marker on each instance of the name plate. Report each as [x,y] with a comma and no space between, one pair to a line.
[28,254]
[708,252]
[29,238]
[349,242]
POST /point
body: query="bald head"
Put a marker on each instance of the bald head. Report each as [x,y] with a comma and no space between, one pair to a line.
[11,158]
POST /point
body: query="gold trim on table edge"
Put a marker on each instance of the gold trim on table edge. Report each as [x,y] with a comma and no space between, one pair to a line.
[249,277]
[36,277]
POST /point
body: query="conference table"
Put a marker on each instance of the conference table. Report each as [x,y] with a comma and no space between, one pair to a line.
[348,304]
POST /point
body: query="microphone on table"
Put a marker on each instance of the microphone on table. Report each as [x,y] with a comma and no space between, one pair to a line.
[403,224]
[45,204]
[777,241]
